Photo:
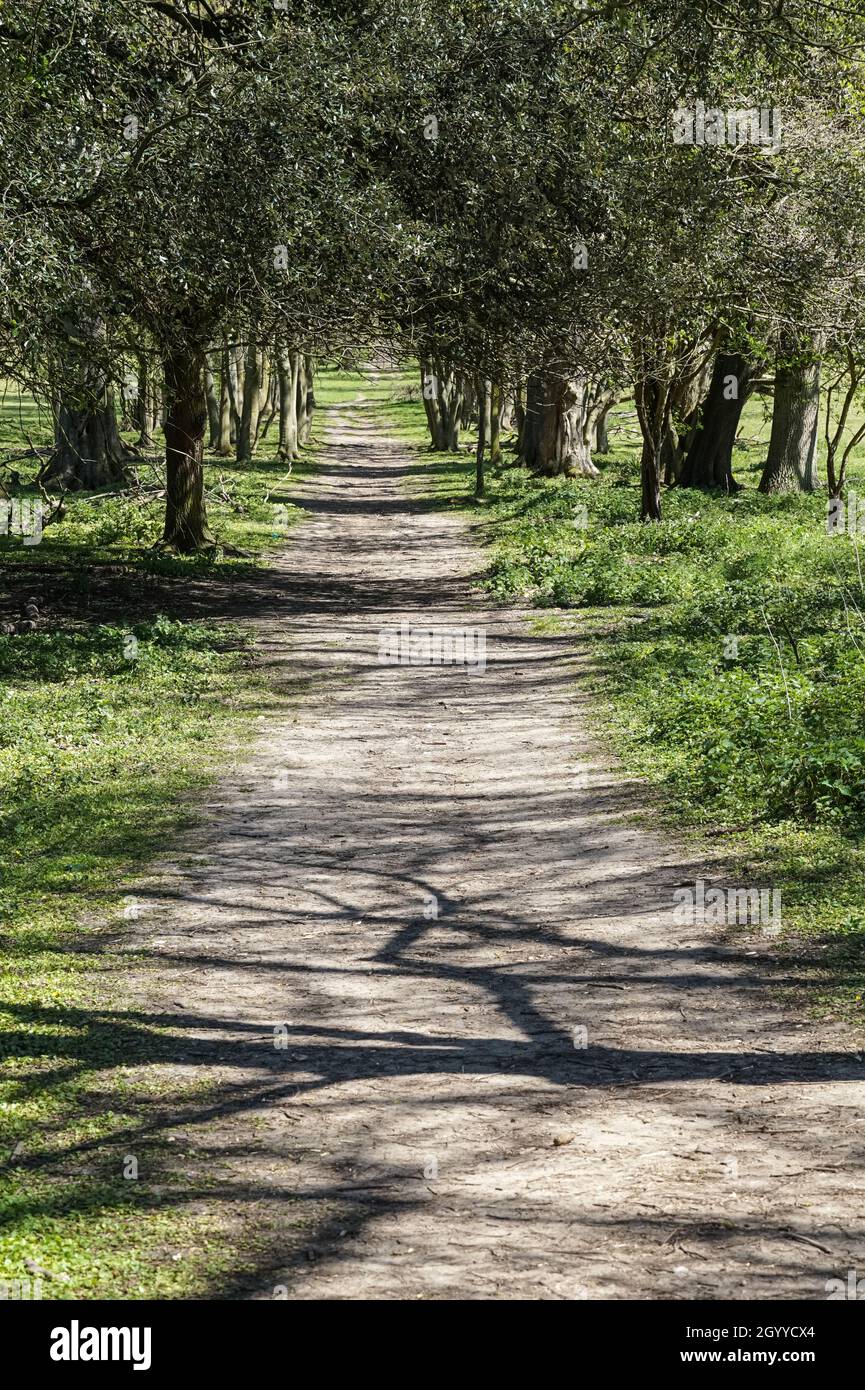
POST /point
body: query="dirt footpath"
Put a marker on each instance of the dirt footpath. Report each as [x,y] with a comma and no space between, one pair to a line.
[461,1047]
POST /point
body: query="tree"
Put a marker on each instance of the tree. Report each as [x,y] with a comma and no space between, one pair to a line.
[791,462]
[709,460]
[160,98]
[841,439]
[186,528]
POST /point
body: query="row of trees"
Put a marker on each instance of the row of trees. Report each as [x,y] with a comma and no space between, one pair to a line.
[684,275]
[173,191]
[246,388]
[552,206]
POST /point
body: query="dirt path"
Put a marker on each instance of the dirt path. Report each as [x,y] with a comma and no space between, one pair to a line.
[430,1128]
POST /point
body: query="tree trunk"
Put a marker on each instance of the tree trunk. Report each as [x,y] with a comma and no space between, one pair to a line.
[456,404]
[791,462]
[186,528]
[223,441]
[235,390]
[289,374]
[652,401]
[483,416]
[264,382]
[309,406]
[670,462]
[530,434]
[128,399]
[146,407]
[450,403]
[305,399]
[300,394]
[495,424]
[269,409]
[556,425]
[709,460]
[248,431]
[686,391]
[213,414]
[467,398]
[650,481]
[88,451]
[519,412]
[432,406]
[602,437]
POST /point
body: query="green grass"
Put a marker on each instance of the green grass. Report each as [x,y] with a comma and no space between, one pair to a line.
[728,652]
[100,757]
[249,507]
[121,706]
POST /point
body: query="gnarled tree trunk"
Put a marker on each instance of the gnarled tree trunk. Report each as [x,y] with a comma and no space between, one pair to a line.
[652,399]
[533,414]
[429,395]
[709,460]
[248,431]
[88,451]
[519,413]
[270,407]
[557,428]
[791,462]
[448,401]
[234,381]
[186,528]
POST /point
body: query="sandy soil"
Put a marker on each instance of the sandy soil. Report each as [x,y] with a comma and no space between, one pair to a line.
[425,878]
